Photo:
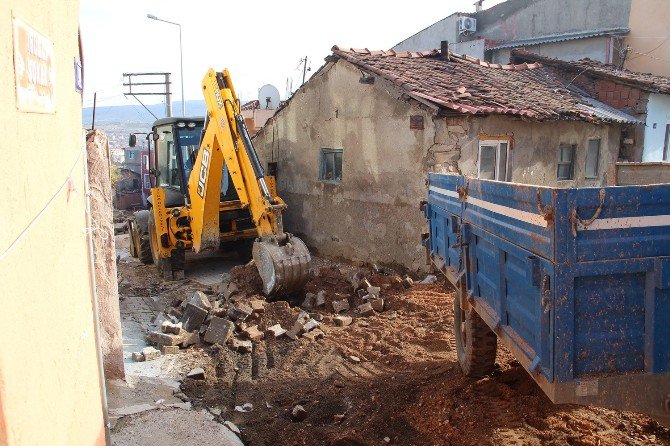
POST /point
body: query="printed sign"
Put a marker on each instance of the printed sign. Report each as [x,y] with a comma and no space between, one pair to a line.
[33,70]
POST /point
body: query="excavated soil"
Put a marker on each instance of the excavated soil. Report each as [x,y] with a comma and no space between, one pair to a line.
[391,378]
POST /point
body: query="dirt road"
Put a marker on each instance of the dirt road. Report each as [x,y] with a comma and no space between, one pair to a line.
[391,378]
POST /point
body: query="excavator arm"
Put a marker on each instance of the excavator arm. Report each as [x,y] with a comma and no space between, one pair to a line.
[282,260]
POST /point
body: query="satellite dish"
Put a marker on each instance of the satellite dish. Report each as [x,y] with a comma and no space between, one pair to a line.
[268,97]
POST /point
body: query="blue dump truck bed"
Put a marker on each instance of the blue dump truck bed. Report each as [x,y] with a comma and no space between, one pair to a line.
[575,282]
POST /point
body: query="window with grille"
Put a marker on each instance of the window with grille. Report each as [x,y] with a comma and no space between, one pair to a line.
[566,162]
[331,165]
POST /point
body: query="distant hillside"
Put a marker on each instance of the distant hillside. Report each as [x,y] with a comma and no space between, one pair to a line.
[116,114]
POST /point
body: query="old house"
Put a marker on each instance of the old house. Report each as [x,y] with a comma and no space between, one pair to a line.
[351,148]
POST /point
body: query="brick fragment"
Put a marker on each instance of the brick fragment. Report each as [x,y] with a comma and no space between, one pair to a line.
[194,316]
[169,327]
[138,357]
[240,312]
[150,353]
[241,346]
[253,333]
[257,306]
[219,331]
[314,335]
[200,299]
[169,349]
[276,330]
[340,305]
[298,413]
[342,321]
[320,299]
[374,291]
[407,282]
[366,309]
[196,373]
[309,325]
[377,305]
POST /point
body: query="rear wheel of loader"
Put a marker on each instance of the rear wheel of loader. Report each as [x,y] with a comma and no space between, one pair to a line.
[476,343]
[170,267]
[283,265]
[140,236]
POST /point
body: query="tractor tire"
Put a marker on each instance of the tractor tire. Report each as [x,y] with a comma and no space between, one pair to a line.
[143,242]
[171,268]
[476,343]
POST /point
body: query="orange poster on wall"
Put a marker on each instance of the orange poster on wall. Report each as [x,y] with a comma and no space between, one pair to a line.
[34,70]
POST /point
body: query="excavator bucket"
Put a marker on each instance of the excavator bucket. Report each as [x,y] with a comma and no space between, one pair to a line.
[283,266]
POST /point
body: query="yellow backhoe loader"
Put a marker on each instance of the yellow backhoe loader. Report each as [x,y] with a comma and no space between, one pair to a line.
[210,192]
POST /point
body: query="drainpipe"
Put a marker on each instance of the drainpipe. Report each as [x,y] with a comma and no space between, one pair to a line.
[96,313]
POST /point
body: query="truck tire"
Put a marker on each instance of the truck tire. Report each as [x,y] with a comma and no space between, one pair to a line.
[171,268]
[476,343]
[143,243]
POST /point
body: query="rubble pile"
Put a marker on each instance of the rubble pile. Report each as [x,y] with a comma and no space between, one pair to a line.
[237,315]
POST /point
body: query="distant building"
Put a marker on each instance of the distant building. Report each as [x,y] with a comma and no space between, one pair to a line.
[133,159]
[564,29]
[255,117]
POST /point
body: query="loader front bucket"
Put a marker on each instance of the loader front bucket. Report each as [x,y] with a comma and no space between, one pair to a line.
[283,266]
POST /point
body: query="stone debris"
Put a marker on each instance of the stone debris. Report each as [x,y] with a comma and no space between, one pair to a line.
[138,357]
[200,299]
[169,327]
[377,305]
[240,312]
[257,306]
[242,346]
[340,305]
[338,418]
[216,411]
[314,335]
[253,333]
[428,280]
[219,331]
[366,309]
[374,291]
[169,349]
[194,317]
[246,407]
[387,440]
[354,358]
[309,302]
[228,290]
[342,321]
[196,373]
[233,428]
[407,282]
[311,324]
[276,330]
[320,300]
[298,413]
[150,353]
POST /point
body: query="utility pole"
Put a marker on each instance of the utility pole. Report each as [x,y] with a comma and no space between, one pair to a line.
[304,69]
[147,88]
[181,60]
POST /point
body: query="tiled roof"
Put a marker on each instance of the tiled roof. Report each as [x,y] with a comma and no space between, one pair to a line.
[592,68]
[467,85]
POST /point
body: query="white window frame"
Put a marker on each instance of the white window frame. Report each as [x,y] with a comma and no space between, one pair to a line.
[497,143]
[147,181]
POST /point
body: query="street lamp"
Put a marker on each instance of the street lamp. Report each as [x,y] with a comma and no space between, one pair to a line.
[181,60]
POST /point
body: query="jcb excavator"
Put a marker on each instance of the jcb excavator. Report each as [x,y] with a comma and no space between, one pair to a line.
[210,192]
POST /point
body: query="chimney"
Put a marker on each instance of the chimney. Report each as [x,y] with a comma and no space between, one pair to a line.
[444,49]
[478,5]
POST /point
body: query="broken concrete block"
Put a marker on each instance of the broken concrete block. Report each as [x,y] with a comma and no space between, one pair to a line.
[189,338]
[169,327]
[194,316]
[219,331]
[200,299]
[276,330]
[320,299]
[310,325]
[295,331]
[216,411]
[340,305]
[253,333]
[196,373]
[240,312]
[228,290]
[303,317]
[366,309]
[374,291]
[342,321]
[246,407]
[298,413]
[176,313]
[242,346]
[169,349]
[257,306]
[354,358]
[407,282]
[138,357]
[314,335]
[428,280]
[150,353]
[158,338]
[309,301]
[377,305]
[338,418]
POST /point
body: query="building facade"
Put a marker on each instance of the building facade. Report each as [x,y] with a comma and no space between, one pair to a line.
[353,145]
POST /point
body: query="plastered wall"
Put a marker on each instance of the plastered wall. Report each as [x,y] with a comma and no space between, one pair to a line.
[49,376]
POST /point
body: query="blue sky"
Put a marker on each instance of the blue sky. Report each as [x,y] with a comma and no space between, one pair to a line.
[259,42]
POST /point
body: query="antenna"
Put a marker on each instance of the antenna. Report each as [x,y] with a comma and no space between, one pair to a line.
[268,97]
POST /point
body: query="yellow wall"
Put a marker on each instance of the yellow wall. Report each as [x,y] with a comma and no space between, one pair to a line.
[649,31]
[49,376]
